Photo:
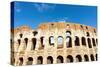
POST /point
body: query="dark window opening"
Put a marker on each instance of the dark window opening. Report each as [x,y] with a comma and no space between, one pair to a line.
[78,58]
[69,41]
[40,60]
[21,61]
[34,43]
[21,35]
[86,58]
[93,41]
[92,57]
[96,57]
[77,42]
[83,41]
[59,59]
[49,60]
[94,31]
[35,33]
[19,41]
[81,26]
[30,61]
[97,41]
[86,27]
[26,41]
[89,43]
[52,24]
[87,33]
[69,58]
[42,41]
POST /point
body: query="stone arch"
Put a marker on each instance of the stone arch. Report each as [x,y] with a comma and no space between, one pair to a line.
[70,58]
[34,40]
[69,41]
[83,41]
[35,33]
[30,61]
[49,60]
[59,59]
[51,40]
[19,42]
[86,58]
[26,41]
[21,61]
[40,60]
[21,35]
[68,33]
[97,41]
[89,43]
[96,56]
[93,41]
[87,33]
[60,41]
[92,57]
[77,42]
[78,58]
[42,41]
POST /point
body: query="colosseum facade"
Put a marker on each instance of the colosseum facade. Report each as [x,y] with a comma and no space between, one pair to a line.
[51,43]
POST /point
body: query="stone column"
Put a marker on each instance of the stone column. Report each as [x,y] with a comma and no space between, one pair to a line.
[22,46]
[54,60]
[44,60]
[29,46]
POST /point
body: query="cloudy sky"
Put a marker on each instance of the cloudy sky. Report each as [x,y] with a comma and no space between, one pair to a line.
[32,14]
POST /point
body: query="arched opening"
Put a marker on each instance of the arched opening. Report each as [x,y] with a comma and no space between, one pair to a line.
[96,57]
[92,57]
[77,42]
[49,60]
[42,41]
[60,42]
[83,41]
[89,43]
[19,41]
[87,33]
[21,35]
[68,42]
[69,58]
[93,41]
[97,41]
[59,59]
[20,61]
[86,58]
[68,33]
[30,61]
[34,43]
[81,26]
[40,60]
[86,27]
[26,41]
[51,40]
[78,58]
[35,33]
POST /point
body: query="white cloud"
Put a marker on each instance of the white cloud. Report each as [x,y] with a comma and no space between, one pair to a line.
[43,7]
[63,19]
[18,10]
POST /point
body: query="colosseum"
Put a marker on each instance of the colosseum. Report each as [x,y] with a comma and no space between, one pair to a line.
[54,42]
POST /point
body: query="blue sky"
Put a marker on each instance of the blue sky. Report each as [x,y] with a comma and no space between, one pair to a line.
[32,14]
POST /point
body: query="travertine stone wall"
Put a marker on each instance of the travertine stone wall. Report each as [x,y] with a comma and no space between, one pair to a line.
[50,51]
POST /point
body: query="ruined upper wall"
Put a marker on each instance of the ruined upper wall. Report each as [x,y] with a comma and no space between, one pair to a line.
[58,25]
[65,25]
[20,29]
